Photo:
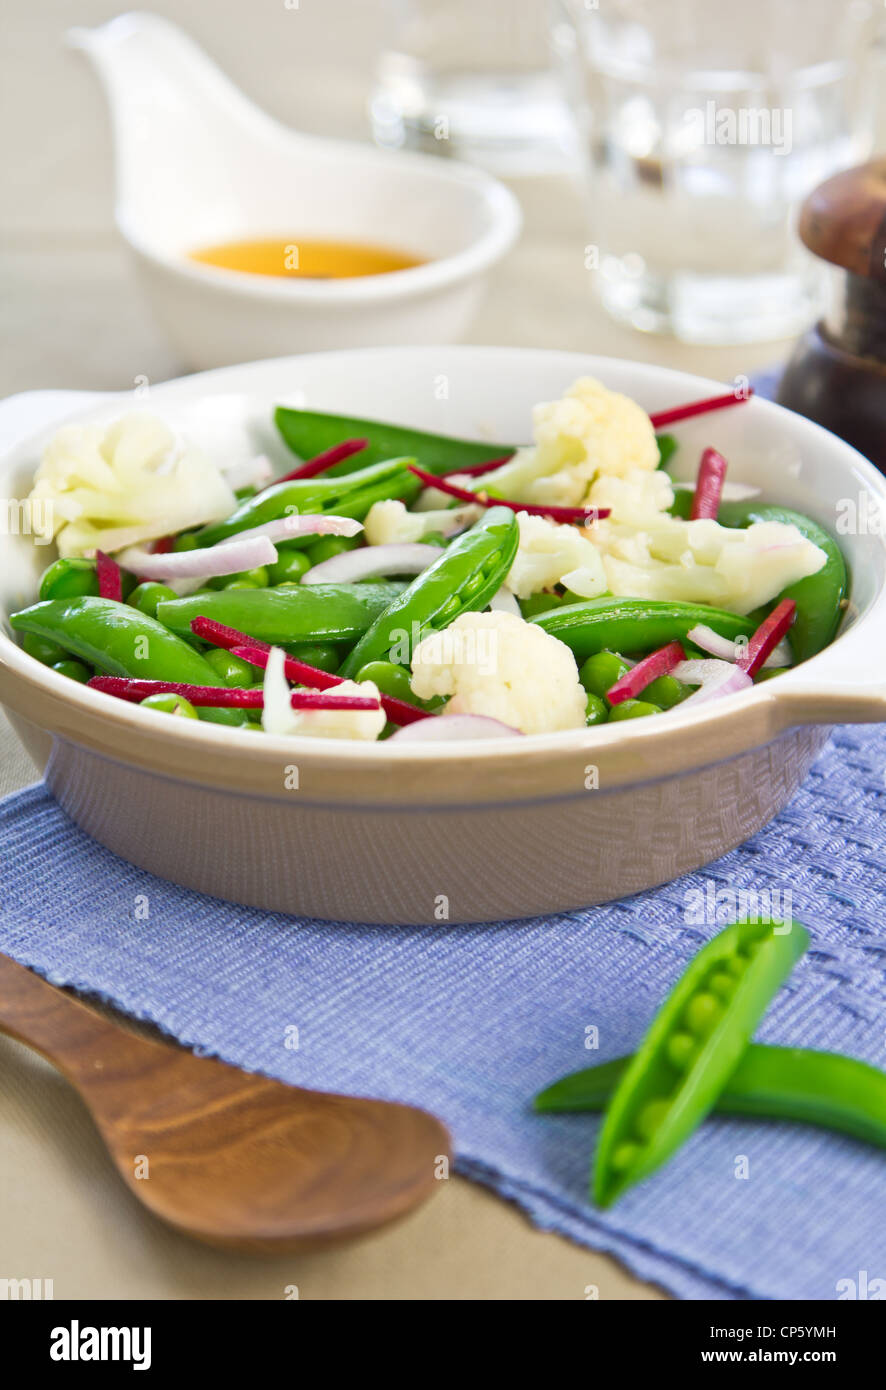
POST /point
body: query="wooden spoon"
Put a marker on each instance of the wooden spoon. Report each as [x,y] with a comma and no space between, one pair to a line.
[230,1158]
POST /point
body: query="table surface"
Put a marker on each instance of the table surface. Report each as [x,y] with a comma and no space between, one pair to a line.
[73,318]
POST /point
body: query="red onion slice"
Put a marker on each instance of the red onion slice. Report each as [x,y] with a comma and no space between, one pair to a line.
[212,563]
[449,728]
[714,679]
[286,528]
[353,565]
[707,640]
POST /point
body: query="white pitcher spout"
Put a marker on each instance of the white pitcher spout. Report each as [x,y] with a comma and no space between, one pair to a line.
[184,136]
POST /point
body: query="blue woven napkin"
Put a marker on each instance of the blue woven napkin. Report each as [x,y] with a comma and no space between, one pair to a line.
[471,1021]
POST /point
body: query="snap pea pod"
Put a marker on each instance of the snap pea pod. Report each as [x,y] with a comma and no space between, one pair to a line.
[692,1048]
[467,575]
[121,641]
[633,624]
[310,432]
[776,1083]
[310,613]
[819,597]
[352,496]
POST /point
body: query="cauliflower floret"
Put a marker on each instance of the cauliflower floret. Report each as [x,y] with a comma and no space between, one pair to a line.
[389,523]
[593,431]
[278,716]
[497,664]
[547,552]
[704,562]
[637,497]
[109,488]
[590,432]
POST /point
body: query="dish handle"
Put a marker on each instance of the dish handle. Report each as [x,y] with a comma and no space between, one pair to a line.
[844,684]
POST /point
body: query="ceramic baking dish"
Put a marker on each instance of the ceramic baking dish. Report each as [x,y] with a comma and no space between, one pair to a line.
[389,834]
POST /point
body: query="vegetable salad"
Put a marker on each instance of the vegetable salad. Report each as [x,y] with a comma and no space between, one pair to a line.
[397,584]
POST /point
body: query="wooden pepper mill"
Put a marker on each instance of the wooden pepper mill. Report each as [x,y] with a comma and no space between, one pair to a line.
[837,374]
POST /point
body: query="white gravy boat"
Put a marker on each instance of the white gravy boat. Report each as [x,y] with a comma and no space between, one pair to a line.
[198,164]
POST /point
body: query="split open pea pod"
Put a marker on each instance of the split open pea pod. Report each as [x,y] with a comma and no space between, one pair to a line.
[694,1045]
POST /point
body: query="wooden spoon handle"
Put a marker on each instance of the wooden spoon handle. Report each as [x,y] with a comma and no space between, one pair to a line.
[66,1032]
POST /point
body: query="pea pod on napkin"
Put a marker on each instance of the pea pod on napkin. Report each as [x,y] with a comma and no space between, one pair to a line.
[694,1044]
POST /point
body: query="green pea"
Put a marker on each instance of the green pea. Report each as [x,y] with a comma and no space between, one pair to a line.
[703,1012]
[73,578]
[600,672]
[624,1156]
[597,710]
[633,709]
[186,541]
[76,670]
[650,1117]
[289,566]
[145,597]
[681,1048]
[449,609]
[42,650]
[232,669]
[666,692]
[722,984]
[472,586]
[539,603]
[390,678]
[324,655]
[257,578]
[170,704]
[328,546]
[435,538]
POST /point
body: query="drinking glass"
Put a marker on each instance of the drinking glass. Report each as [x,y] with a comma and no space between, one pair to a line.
[703,125]
[476,79]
